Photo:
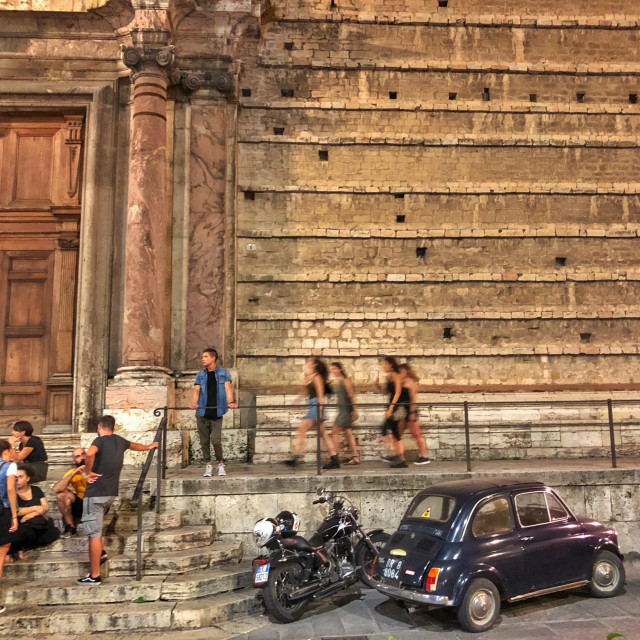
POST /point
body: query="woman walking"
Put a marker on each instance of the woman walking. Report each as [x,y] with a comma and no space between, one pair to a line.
[315,383]
[347,413]
[410,382]
[395,413]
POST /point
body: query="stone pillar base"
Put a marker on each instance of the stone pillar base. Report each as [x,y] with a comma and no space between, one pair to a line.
[131,398]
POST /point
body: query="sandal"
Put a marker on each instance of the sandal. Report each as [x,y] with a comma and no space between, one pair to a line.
[354,460]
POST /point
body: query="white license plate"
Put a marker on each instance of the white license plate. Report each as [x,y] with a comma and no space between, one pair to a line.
[392,569]
[262,573]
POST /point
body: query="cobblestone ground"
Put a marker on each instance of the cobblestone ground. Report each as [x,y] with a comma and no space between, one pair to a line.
[361,614]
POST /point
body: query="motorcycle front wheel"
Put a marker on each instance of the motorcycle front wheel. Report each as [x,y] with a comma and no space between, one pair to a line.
[283,580]
[365,557]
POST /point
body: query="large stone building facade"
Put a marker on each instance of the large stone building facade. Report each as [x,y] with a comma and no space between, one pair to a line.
[453,181]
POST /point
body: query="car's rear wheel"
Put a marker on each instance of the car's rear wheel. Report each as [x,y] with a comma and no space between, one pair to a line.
[480,606]
[607,576]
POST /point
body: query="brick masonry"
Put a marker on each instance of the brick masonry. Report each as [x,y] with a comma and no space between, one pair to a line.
[406,168]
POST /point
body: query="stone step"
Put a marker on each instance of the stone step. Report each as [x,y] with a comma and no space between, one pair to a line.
[222,630]
[207,583]
[159,615]
[125,520]
[67,564]
[220,552]
[152,541]
[64,591]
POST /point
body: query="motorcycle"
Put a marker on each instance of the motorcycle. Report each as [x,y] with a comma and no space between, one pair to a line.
[297,572]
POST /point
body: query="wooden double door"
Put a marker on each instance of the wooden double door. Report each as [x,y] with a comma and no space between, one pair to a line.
[40,185]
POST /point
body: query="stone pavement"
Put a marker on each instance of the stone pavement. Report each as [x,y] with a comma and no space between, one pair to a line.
[360,614]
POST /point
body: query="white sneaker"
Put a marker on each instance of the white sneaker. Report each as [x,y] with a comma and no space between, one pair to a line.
[221,471]
[208,471]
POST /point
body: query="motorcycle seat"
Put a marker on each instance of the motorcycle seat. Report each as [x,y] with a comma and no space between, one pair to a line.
[298,543]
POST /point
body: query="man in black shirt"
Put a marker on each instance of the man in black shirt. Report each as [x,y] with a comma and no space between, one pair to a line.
[103,465]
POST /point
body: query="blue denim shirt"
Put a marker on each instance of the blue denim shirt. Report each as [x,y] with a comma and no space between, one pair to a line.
[222,376]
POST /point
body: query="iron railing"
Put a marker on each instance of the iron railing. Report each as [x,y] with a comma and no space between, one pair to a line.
[468,425]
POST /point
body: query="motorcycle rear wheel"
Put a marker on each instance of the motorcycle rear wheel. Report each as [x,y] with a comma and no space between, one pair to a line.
[365,557]
[283,579]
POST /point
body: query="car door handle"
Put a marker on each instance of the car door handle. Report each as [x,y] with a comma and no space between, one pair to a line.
[526,538]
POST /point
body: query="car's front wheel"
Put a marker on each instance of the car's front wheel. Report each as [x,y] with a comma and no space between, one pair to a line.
[607,576]
[480,606]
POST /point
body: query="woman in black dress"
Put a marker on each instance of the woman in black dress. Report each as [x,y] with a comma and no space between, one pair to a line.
[396,413]
[31,449]
[35,529]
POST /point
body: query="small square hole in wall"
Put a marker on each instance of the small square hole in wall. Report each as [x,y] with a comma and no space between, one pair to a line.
[288,46]
[393,95]
[585,337]
[254,300]
[447,333]
[249,195]
[443,3]
[333,4]
[580,97]
[399,196]
[486,94]
[453,95]
[533,97]
[421,252]
[286,93]
[561,261]
[633,98]
[400,218]
[246,93]
[278,131]
[323,155]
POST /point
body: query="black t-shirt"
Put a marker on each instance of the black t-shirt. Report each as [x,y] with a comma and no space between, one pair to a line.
[38,454]
[108,463]
[36,497]
[211,411]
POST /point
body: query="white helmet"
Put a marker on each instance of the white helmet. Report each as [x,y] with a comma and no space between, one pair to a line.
[263,531]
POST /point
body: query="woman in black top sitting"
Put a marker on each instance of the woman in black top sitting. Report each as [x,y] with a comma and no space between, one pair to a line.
[34,529]
[31,449]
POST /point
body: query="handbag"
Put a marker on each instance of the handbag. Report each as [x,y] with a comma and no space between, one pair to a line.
[39,522]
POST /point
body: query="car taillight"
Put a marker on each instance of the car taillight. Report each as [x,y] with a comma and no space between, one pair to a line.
[432,579]
[373,564]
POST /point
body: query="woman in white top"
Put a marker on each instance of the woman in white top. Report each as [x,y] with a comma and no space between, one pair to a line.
[8,501]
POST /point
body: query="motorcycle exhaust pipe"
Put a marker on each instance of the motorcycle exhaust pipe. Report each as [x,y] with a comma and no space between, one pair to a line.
[304,592]
[332,588]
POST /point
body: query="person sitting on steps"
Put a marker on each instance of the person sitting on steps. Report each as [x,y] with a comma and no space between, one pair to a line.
[69,492]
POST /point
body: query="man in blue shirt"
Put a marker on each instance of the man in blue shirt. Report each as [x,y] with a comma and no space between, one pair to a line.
[212,398]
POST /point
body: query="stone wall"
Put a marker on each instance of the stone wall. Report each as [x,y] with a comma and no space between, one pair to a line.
[408,172]
[611,496]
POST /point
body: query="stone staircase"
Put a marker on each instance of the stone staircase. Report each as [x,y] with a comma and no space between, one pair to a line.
[191,581]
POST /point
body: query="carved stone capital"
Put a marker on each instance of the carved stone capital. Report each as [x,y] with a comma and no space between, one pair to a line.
[141,58]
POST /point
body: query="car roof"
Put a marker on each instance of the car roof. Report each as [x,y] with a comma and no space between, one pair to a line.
[474,486]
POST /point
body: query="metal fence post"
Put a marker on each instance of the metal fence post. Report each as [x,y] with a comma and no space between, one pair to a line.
[318,440]
[466,434]
[164,446]
[139,540]
[612,437]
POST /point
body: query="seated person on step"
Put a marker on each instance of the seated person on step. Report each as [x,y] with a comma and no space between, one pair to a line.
[69,492]
[34,528]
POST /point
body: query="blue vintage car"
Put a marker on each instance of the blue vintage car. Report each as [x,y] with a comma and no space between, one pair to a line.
[472,543]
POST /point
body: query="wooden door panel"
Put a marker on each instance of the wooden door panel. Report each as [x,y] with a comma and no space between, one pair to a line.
[26,305]
[23,361]
[34,162]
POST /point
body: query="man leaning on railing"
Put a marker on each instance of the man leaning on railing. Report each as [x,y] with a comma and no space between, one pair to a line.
[103,465]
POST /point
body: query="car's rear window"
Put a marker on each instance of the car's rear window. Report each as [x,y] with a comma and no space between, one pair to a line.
[432,507]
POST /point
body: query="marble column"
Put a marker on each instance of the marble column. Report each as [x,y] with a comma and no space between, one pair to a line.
[148,239]
[143,381]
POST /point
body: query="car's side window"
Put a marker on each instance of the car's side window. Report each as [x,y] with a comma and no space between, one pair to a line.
[532,508]
[493,517]
[556,509]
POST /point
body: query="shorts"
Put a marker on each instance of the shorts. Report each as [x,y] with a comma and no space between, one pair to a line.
[391,425]
[94,510]
[312,411]
[76,507]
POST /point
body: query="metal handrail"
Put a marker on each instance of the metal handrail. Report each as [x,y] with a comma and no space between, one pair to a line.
[161,438]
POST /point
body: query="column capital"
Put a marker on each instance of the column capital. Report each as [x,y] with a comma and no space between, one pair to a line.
[146,58]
